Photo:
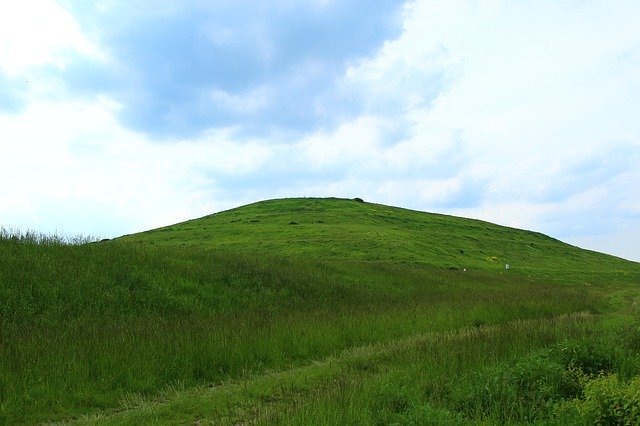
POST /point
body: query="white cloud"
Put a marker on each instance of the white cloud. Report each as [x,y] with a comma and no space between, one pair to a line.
[348,145]
[74,157]
[246,103]
[422,191]
[37,32]
[622,242]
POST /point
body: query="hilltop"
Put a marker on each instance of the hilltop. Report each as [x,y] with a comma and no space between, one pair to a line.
[337,229]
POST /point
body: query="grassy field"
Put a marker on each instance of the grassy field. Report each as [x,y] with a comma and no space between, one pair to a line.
[317,311]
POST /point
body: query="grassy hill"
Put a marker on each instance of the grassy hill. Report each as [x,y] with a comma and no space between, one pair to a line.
[338,229]
[309,311]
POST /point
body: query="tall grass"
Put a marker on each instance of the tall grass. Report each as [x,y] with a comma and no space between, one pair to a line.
[84,326]
[513,372]
[569,369]
[17,235]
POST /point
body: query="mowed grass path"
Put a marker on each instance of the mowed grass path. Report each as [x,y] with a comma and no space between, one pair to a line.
[94,329]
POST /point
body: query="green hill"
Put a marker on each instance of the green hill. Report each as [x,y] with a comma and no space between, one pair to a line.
[305,311]
[338,229]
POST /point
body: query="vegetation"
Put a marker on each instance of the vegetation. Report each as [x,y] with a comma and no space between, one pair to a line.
[335,229]
[317,311]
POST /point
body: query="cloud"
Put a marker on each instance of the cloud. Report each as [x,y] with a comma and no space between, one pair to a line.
[179,69]
[10,98]
[37,38]
[528,91]
[34,33]
[622,242]
[73,168]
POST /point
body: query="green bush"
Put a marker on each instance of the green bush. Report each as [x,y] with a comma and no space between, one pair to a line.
[607,401]
[572,383]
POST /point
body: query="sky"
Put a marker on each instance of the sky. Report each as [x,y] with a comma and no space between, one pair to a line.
[122,116]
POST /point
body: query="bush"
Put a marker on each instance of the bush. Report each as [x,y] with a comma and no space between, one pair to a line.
[606,401]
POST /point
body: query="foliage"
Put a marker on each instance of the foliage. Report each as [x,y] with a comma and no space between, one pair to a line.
[607,401]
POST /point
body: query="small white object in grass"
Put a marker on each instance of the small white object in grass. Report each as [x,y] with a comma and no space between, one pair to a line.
[506,266]
[464,269]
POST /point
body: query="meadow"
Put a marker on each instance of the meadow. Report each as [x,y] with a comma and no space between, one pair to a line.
[317,311]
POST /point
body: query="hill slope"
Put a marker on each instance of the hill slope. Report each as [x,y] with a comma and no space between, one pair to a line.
[335,229]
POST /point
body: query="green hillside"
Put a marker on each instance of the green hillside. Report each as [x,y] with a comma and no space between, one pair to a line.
[338,229]
[317,311]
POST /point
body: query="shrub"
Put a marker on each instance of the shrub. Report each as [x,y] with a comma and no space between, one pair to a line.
[606,401]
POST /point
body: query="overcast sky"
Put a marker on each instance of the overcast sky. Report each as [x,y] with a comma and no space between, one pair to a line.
[120,116]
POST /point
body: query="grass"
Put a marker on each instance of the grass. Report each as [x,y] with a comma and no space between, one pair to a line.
[336,229]
[357,313]
[410,380]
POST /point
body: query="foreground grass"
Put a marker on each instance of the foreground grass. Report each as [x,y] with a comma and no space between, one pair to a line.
[85,326]
[519,371]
